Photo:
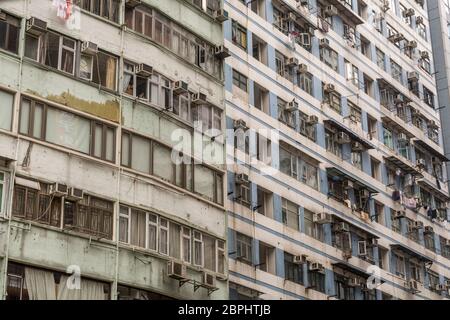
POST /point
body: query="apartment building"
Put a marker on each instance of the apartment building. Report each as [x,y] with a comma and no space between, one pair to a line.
[94,98]
[439,13]
[356,207]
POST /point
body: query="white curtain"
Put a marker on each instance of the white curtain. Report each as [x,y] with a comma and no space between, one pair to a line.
[40,284]
[89,290]
[6,108]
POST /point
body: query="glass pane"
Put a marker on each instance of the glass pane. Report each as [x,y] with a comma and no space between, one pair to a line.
[24,117]
[162,162]
[38,115]
[6,109]
[126,150]
[204,181]
[98,140]
[110,144]
[140,154]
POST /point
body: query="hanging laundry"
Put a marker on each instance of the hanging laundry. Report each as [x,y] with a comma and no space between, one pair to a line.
[410,203]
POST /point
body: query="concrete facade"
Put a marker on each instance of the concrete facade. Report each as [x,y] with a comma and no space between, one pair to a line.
[113,132]
[358,209]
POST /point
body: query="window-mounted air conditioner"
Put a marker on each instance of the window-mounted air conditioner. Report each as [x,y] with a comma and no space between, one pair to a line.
[132,3]
[242,178]
[417,225]
[357,146]
[209,280]
[316,267]
[428,230]
[291,62]
[198,98]
[421,163]
[329,87]
[353,282]
[176,270]
[341,227]
[180,87]
[409,13]
[362,248]
[343,138]
[301,259]
[330,11]
[90,48]
[302,68]
[312,120]
[292,106]
[399,214]
[144,70]
[413,76]
[324,42]
[240,124]
[220,15]
[322,218]
[221,52]
[75,194]
[59,189]
[36,26]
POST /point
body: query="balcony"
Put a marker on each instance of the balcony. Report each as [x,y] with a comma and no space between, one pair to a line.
[407,166]
[411,252]
[302,14]
[431,184]
[355,132]
[346,10]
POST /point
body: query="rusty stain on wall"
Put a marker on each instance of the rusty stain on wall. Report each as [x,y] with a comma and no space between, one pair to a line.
[109,110]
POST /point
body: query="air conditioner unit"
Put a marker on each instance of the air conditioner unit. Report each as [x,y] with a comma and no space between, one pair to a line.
[373,242]
[59,189]
[329,87]
[221,15]
[343,138]
[75,194]
[411,44]
[399,214]
[364,194]
[132,3]
[428,230]
[413,285]
[180,87]
[353,282]
[292,106]
[341,227]
[419,20]
[301,259]
[395,38]
[208,280]
[221,52]
[312,120]
[421,163]
[409,12]
[302,68]
[90,48]
[316,267]
[198,98]
[413,76]
[324,42]
[176,270]
[357,146]
[402,137]
[322,218]
[439,287]
[417,225]
[291,17]
[425,55]
[240,124]
[144,70]
[447,243]
[36,26]
[330,11]
[291,62]
[348,184]
[242,178]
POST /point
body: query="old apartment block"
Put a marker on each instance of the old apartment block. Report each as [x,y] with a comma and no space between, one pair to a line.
[91,204]
[359,207]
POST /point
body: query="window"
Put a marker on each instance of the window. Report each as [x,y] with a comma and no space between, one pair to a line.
[239,35]
[352,73]
[445,248]
[330,58]
[150,231]
[333,99]
[434,280]
[108,9]
[289,213]
[265,202]
[244,248]
[307,129]
[343,290]
[331,143]
[9,34]
[91,215]
[428,97]
[375,169]
[305,82]
[66,129]
[239,80]
[429,241]
[285,114]
[2,193]
[396,71]
[415,271]
[399,265]
[387,138]
[293,271]
[6,110]
[60,52]
[299,167]
[312,229]
[316,280]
